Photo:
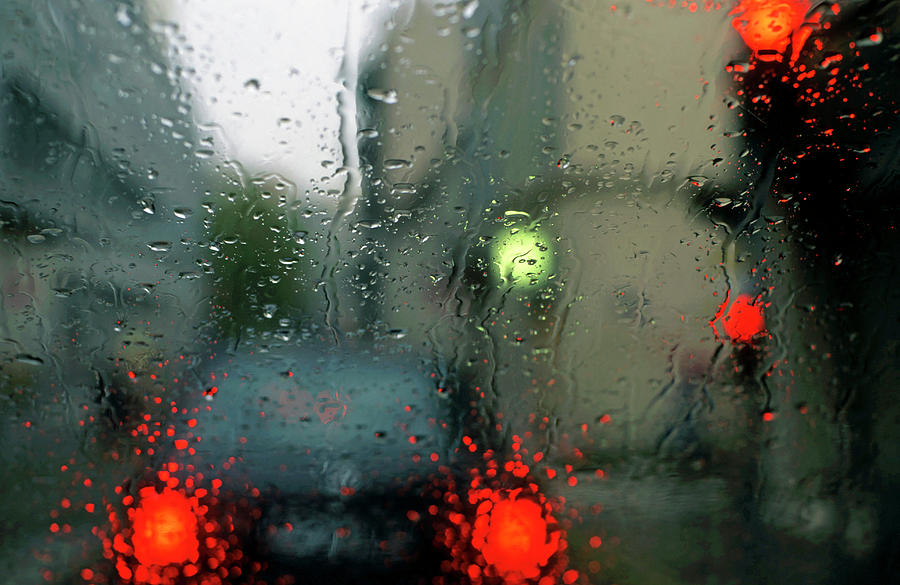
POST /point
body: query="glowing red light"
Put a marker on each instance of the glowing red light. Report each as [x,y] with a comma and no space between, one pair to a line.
[767,25]
[514,538]
[742,321]
[165,528]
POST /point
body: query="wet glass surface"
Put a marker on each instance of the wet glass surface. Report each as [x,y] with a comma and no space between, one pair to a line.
[481,292]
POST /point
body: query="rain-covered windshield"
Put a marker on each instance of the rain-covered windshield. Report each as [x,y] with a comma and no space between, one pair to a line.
[481,292]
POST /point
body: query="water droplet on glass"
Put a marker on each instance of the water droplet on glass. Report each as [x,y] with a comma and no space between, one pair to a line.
[870,40]
[403,189]
[393,164]
[388,96]
[122,16]
[469,9]
[160,246]
[698,180]
[29,359]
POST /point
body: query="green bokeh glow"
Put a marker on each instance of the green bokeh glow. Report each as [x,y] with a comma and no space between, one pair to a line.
[522,257]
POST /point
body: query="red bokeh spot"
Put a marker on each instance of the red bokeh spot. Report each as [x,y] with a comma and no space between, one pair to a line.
[514,537]
[165,528]
[742,320]
[767,25]
[495,533]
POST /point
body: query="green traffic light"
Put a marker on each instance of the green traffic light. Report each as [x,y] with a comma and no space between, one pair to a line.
[522,257]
